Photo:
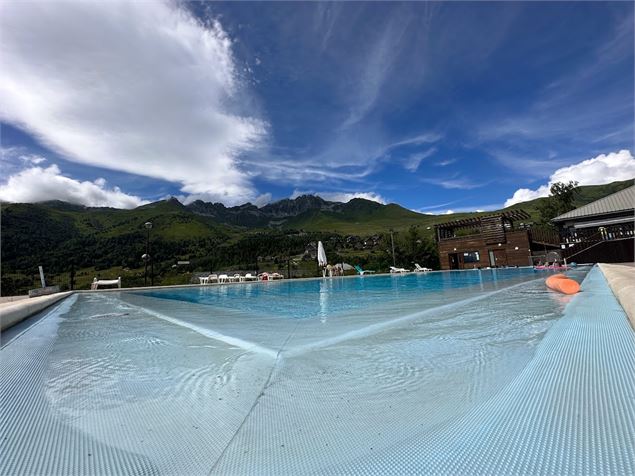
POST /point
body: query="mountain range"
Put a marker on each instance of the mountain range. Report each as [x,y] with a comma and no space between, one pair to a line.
[210,234]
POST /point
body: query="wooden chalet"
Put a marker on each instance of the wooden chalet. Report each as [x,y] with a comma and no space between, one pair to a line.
[497,240]
[601,231]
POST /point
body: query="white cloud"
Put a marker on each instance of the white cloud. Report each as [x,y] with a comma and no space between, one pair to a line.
[449,212]
[412,162]
[343,197]
[376,68]
[603,169]
[262,200]
[37,184]
[455,182]
[32,159]
[140,87]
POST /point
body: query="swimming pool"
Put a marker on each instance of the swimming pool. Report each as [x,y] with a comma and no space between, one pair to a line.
[464,372]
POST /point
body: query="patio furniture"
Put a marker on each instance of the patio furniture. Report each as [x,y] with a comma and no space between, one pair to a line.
[105,282]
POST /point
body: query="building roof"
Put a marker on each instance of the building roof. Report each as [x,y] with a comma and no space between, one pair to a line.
[624,200]
[512,215]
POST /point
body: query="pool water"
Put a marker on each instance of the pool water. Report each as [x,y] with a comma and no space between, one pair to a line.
[443,373]
[328,298]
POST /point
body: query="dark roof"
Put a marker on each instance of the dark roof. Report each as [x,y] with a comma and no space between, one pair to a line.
[624,200]
[512,215]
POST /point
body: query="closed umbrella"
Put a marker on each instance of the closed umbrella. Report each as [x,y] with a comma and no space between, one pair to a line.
[321,257]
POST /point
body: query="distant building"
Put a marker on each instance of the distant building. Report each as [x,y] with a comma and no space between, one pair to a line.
[498,240]
[601,231]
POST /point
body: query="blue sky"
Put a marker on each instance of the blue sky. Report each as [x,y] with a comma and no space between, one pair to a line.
[436,106]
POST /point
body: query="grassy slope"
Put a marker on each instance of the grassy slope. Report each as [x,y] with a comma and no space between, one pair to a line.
[367,222]
[584,195]
[171,221]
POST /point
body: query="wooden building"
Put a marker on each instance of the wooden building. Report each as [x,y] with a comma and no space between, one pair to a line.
[601,231]
[498,240]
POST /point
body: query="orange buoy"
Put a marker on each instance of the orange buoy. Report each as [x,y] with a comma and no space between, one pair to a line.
[559,282]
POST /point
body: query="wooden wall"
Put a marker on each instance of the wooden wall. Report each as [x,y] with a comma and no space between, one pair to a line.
[514,251]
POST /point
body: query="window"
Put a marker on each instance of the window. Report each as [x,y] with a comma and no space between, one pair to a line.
[471,257]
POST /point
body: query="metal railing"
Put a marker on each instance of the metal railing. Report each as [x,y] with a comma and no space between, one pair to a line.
[602,233]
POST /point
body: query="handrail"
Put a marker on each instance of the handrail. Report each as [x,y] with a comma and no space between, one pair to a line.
[585,249]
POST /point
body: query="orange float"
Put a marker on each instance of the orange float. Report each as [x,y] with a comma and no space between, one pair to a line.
[559,282]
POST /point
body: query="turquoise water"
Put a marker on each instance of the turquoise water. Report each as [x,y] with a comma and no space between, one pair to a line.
[446,373]
[330,297]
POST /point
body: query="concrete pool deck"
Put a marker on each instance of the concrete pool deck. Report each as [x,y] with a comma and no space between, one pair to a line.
[621,279]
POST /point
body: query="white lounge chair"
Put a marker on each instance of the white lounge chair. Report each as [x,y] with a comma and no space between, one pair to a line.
[394,269]
[235,278]
[208,279]
[105,282]
[276,276]
[420,269]
[249,277]
[223,278]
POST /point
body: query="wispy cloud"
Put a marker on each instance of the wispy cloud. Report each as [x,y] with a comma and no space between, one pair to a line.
[456,182]
[343,197]
[345,159]
[529,165]
[413,161]
[377,66]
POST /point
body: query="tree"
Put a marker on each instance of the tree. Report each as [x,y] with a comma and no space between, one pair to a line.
[560,201]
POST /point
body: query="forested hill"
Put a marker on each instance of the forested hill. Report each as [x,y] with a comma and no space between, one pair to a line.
[108,242]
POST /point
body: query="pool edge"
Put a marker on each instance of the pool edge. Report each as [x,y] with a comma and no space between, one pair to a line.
[18,311]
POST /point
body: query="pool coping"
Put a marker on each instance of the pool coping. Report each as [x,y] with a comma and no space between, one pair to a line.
[14,312]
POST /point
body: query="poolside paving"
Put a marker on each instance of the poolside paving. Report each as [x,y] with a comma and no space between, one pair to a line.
[621,279]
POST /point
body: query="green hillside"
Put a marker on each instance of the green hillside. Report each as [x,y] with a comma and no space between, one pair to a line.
[109,242]
[585,194]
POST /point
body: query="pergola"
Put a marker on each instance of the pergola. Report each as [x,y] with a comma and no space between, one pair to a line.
[491,226]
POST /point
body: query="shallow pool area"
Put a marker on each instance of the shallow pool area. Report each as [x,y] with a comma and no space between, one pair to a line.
[479,372]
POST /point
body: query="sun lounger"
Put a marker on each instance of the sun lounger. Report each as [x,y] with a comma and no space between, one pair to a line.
[249,277]
[208,279]
[223,278]
[263,276]
[394,269]
[361,271]
[276,276]
[420,269]
[105,282]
